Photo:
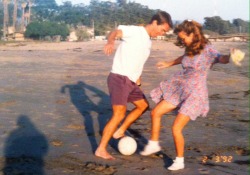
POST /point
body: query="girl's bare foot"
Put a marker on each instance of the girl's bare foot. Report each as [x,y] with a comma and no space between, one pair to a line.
[118,134]
[103,154]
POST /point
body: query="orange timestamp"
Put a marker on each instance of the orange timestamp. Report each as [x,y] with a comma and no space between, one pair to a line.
[218,159]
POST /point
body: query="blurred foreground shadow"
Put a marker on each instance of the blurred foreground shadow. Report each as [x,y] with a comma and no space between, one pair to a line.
[24,149]
[88,99]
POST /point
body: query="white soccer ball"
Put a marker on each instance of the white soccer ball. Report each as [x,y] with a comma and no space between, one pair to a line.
[127,145]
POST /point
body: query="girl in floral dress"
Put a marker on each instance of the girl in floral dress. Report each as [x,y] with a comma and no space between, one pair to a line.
[185,90]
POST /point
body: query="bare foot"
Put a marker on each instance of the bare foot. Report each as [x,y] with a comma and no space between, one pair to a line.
[118,134]
[103,154]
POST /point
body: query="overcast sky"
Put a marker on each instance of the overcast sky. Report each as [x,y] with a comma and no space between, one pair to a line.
[193,9]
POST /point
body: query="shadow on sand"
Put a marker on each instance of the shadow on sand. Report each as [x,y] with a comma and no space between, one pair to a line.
[25,149]
[88,99]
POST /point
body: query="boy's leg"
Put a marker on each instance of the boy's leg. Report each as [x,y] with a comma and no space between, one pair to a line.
[140,107]
[118,114]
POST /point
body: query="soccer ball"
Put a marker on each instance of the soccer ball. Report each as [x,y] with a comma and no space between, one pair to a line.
[127,145]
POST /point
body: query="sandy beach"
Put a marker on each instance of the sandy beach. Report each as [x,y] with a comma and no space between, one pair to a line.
[54,104]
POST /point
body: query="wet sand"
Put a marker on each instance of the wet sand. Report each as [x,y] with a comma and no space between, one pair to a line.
[54,104]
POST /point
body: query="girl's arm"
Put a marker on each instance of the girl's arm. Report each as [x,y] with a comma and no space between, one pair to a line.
[166,64]
[224,59]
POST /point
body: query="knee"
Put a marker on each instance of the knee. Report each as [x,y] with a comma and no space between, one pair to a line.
[155,113]
[143,106]
[119,112]
[176,129]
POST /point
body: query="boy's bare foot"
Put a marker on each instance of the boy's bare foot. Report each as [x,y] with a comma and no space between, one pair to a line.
[104,155]
[118,134]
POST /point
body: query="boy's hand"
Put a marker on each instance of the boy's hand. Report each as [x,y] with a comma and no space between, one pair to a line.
[108,49]
[138,82]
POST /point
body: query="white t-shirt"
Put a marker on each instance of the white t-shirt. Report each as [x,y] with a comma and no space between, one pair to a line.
[132,53]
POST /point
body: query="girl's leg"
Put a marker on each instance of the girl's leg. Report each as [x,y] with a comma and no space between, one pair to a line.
[156,114]
[178,125]
[153,144]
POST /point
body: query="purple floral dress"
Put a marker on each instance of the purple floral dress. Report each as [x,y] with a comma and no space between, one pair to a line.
[188,89]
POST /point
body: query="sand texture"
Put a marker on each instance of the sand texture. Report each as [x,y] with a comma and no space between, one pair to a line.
[54,104]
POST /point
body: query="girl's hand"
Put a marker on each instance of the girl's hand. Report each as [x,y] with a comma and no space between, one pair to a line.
[237,56]
[163,64]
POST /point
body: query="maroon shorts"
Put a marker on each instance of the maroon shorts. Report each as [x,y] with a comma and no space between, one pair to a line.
[122,90]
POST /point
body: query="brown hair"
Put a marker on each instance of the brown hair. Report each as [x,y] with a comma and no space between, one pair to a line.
[162,17]
[199,40]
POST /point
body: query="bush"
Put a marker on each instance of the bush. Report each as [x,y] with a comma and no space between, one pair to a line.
[211,33]
[82,35]
[39,30]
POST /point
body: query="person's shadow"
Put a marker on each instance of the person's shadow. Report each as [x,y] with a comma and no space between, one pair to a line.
[87,99]
[25,149]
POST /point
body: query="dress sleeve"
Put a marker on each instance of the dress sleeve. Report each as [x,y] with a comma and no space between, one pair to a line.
[212,55]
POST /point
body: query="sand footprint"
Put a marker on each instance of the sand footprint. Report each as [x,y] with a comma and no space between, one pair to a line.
[203,171]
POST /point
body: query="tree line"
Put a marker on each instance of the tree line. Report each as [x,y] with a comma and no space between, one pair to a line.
[49,18]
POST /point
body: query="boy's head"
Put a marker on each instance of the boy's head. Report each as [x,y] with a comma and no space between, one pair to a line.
[162,17]
[160,24]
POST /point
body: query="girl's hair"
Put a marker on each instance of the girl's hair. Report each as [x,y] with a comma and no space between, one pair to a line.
[162,17]
[199,40]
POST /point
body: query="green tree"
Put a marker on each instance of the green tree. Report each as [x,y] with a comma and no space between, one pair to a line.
[241,26]
[73,15]
[44,10]
[216,24]
[1,19]
[121,2]
[49,4]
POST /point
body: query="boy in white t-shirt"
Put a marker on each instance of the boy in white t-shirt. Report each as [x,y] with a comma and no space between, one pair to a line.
[124,78]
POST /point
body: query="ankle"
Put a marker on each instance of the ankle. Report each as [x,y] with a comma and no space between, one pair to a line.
[179,159]
[153,143]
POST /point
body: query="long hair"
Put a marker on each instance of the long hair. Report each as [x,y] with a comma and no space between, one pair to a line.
[162,17]
[199,40]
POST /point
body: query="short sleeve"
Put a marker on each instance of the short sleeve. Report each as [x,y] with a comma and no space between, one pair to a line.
[127,31]
[212,54]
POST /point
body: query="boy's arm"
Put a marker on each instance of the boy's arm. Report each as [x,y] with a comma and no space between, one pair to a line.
[109,47]
[138,82]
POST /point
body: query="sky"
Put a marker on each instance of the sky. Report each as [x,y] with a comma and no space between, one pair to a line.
[193,9]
